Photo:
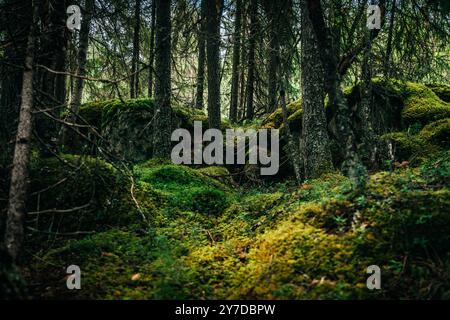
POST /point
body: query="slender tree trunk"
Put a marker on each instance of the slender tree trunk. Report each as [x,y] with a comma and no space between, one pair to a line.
[77,93]
[19,177]
[51,53]
[251,59]
[274,52]
[201,57]
[368,146]
[152,51]
[242,71]
[236,62]
[163,126]
[16,14]
[387,58]
[214,13]
[316,146]
[134,85]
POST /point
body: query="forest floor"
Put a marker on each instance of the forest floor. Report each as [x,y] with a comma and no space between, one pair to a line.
[160,231]
[206,238]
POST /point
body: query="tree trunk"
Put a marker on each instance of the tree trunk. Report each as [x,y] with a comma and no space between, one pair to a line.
[51,53]
[19,177]
[152,51]
[134,84]
[214,13]
[236,62]
[368,145]
[77,93]
[162,130]
[387,58]
[17,16]
[274,52]
[316,148]
[201,57]
[251,59]
[352,166]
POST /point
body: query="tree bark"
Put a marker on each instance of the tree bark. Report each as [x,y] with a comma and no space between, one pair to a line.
[236,62]
[316,144]
[14,233]
[77,94]
[273,9]
[16,15]
[352,166]
[251,59]
[201,57]
[387,58]
[214,13]
[162,129]
[134,84]
[152,51]
[368,146]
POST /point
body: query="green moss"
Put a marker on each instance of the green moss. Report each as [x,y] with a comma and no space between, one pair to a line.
[219,173]
[187,188]
[405,146]
[437,132]
[441,90]
[275,119]
[108,261]
[428,142]
[74,193]
[312,241]
[209,201]
[421,104]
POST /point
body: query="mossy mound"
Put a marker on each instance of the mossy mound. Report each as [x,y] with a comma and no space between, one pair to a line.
[421,104]
[186,188]
[320,246]
[108,262]
[437,133]
[416,148]
[441,90]
[73,193]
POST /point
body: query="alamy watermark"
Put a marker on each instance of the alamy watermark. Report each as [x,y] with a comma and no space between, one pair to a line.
[74,277]
[373,17]
[74,20]
[374,281]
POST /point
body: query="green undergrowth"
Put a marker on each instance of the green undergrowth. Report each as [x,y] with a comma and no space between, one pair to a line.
[416,146]
[164,231]
[282,241]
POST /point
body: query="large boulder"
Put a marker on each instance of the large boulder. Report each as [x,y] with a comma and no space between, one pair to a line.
[125,128]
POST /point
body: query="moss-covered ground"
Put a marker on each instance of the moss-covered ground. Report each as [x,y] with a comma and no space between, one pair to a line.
[162,231]
[208,239]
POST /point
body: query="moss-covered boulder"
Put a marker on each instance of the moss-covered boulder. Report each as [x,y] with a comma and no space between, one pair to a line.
[74,194]
[126,127]
[421,104]
[294,114]
[441,90]
[416,148]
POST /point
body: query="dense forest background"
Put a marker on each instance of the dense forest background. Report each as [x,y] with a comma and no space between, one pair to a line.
[87,114]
